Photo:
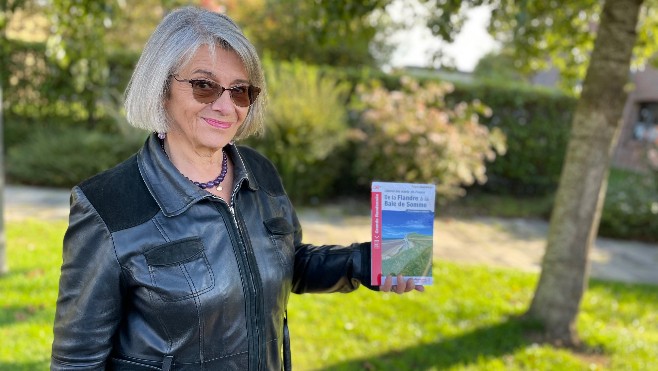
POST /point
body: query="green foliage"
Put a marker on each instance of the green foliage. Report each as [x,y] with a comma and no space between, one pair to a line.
[478,203]
[550,33]
[446,19]
[39,92]
[323,33]
[646,45]
[79,25]
[35,86]
[412,135]
[631,206]
[466,321]
[545,34]
[498,66]
[63,158]
[305,123]
[537,124]
[535,120]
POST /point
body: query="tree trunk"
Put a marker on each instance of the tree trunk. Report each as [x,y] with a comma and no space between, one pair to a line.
[579,200]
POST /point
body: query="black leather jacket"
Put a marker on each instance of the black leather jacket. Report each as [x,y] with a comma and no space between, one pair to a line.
[158,274]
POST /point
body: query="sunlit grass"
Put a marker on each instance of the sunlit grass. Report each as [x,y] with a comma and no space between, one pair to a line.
[466,321]
[469,321]
[28,294]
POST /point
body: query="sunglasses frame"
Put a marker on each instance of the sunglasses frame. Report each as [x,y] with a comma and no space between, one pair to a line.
[252,91]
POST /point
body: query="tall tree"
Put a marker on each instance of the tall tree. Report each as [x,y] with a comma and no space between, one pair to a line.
[566,34]
[580,196]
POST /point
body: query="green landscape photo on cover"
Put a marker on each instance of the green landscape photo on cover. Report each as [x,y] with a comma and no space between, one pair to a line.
[407,242]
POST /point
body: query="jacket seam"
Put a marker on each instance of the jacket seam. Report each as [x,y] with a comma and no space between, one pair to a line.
[107,228]
[158,226]
[136,363]
[212,359]
[197,307]
[69,364]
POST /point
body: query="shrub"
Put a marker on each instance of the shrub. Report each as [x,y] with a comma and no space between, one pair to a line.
[38,90]
[305,123]
[536,122]
[631,207]
[64,157]
[411,135]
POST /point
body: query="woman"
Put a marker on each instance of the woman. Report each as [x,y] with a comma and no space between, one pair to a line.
[183,256]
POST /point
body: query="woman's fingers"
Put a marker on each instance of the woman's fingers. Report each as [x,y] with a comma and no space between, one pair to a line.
[402,285]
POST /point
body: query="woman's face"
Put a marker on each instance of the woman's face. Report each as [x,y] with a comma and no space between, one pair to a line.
[205,128]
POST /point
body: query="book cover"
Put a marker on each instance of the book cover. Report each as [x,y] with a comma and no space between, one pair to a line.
[402,216]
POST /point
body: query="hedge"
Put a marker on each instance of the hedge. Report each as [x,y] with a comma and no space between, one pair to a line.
[48,132]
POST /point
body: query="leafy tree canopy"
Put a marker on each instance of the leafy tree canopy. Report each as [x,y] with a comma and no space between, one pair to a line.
[545,33]
[344,33]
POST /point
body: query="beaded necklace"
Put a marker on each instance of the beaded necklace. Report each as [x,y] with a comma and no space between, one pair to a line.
[213,183]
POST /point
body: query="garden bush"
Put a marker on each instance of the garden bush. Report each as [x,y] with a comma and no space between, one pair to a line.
[305,124]
[64,157]
[39,93]
[412,135]
[631,206]
[535,120]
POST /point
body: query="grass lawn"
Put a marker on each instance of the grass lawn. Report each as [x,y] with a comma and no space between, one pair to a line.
[466,321]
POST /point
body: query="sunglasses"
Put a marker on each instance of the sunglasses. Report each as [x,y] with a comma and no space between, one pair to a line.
[206,91]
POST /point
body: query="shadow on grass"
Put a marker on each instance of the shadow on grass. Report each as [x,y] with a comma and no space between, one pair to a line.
[487,342]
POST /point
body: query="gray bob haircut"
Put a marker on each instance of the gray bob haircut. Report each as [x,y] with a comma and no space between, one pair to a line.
[171,46]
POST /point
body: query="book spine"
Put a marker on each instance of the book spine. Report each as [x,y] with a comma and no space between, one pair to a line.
[376,244]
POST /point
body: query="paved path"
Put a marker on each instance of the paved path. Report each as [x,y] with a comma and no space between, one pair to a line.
[514,243]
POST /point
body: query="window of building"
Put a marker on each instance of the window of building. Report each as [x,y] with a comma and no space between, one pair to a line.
[646,124]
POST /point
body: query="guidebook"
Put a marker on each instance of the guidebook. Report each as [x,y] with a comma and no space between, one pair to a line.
[402,231]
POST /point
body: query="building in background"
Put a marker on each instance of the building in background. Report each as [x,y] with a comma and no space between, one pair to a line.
[640,122]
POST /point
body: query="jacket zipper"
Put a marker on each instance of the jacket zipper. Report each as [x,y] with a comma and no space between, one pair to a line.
[257,341]
[252,288]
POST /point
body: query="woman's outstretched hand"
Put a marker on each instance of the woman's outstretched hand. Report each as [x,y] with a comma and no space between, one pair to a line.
[402,286]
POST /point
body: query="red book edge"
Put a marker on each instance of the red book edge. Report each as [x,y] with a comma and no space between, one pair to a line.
[376,244]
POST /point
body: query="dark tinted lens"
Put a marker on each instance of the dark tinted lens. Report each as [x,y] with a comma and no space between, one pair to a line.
[240,95]
[205,91]
[253,93]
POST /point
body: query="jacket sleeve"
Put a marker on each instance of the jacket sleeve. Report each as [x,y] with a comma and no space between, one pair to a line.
[329,268]
[89,301]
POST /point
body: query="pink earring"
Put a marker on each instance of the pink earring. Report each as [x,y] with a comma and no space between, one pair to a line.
[162,135]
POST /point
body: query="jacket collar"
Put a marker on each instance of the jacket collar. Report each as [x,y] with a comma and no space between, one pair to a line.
[173,192]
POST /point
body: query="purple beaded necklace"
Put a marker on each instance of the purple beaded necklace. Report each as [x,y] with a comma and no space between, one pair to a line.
[213,183]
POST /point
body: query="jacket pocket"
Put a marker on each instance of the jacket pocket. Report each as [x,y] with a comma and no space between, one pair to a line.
[281,234]
[179,269]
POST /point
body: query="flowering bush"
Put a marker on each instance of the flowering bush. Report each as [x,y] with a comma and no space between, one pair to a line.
[412,136]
